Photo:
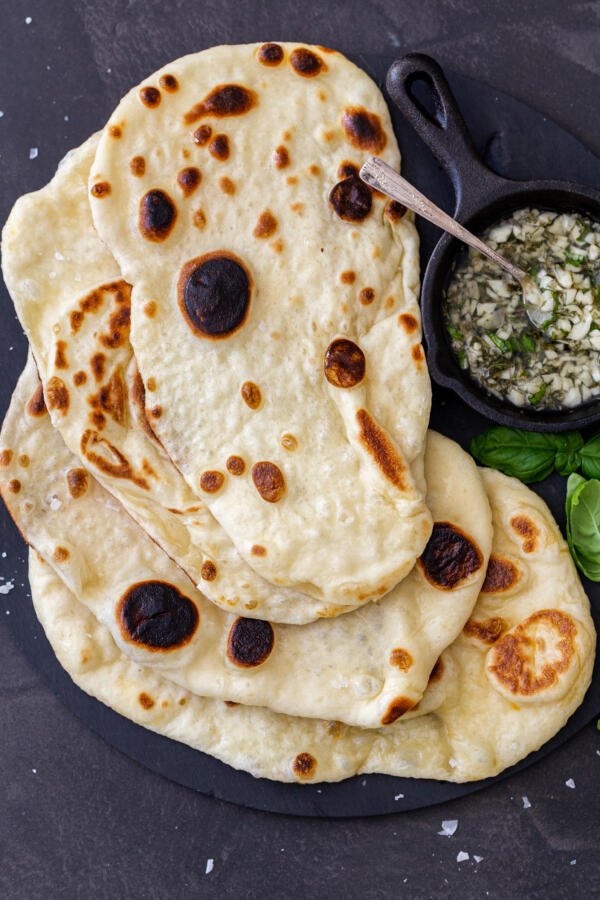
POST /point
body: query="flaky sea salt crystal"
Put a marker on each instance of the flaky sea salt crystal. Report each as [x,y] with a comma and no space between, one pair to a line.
[33,152]
[210,864]
[461,856]
[570,783]
[477,858]
[526,803]
[449,827]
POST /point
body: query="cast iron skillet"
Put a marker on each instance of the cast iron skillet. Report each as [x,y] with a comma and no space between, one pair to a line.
[482,197]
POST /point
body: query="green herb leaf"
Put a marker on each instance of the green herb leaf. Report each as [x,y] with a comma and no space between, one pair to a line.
[539,394]
[527,455]
[454,333]
[573,260]
[501,343]
[590,457]
[583,524]
[568,452]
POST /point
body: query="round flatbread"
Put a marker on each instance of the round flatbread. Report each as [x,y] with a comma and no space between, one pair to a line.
[369,667]
[274,308]
[505,687]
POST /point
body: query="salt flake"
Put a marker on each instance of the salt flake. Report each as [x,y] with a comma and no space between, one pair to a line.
[210,864]
[28,20]
[1,113]
[570,783]
[398,796]
[7,588]
[526,803]
[452,763]
[573,862]
[477,858]
[461,856]
[449,827]
[33,152]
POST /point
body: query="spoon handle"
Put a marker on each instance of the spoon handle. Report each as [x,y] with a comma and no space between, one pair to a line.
[377,174]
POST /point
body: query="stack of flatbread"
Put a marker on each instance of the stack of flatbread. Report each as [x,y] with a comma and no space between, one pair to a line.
[243,535]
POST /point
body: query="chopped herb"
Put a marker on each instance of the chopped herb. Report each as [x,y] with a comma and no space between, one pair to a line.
[534,399]
[487,322]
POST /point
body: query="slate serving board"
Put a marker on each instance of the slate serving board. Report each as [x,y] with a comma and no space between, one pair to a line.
[517,142]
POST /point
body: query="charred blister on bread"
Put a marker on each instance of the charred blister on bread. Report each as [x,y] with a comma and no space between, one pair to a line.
[250,642]
[156,615]
[450,558]
[214,293]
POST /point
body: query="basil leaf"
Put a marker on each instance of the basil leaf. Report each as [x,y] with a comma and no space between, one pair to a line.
[568,452]
[527,455]
[583,524]
[590,458]
[585,519]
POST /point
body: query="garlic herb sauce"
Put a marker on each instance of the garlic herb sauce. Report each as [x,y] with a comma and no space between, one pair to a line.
[488,327]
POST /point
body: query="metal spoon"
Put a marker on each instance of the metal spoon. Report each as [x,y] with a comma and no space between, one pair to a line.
[377,174]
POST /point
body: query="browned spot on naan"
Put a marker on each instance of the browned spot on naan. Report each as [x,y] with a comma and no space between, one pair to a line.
[363,129]
[268,480]
[235,465]
[57,394]
[168,82]
[379,446]
[150,96]
[250,642]
[450,557]
[344,363]
[270,54]
[266,225]
[157,215]
[223,100]
[77,482]
[396,708]
[486,630]
[306,62]
[528,530]
[100,190]
[212,481]
[401,659]
[281,157]
[515,660]
[304,765]
[188,180]
[219,147]
[501,575]
[36,405]
[137,166]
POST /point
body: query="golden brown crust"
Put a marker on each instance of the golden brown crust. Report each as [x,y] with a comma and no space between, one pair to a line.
[513,659]
[378,445]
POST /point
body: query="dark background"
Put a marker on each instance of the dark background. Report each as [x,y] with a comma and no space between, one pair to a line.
[79,819]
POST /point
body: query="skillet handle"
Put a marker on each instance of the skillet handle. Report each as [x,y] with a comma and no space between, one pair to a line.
[444,132]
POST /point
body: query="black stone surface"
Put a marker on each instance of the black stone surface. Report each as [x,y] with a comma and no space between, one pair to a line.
[76,817]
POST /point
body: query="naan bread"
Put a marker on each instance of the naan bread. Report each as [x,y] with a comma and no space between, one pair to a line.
[274,309]
[69,297]
[504,688]
[369,667]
